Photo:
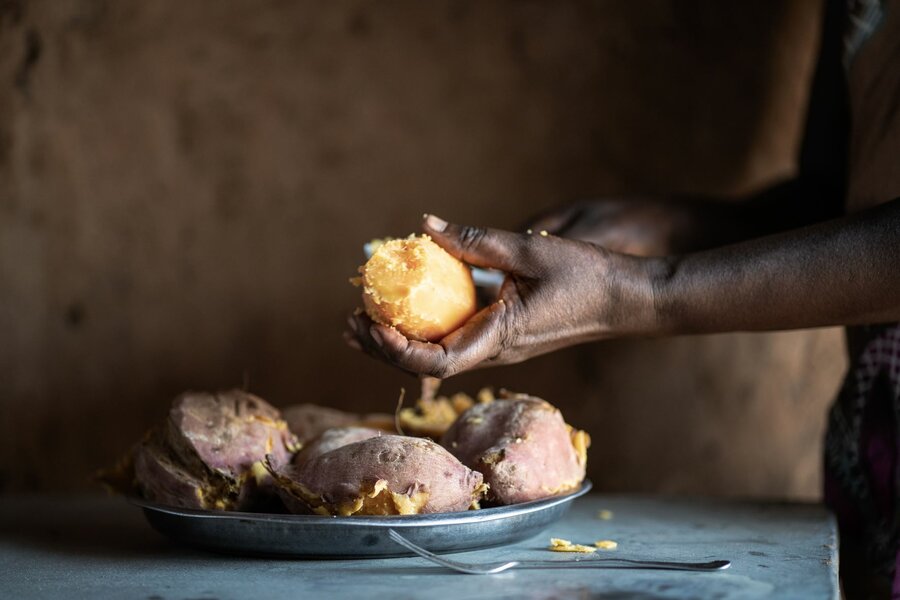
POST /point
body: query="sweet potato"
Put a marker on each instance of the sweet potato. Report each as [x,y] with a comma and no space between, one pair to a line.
[159,476]
[418,287]
[332,439]
[522,445]
[432,415]
[309,421]
[384,475]
[209,452]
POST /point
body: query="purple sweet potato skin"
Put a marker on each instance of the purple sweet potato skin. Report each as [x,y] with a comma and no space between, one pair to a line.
[332,439]
[204,453]
[309,421]
[229,431]
[159,477]
[522,446]
[409,465]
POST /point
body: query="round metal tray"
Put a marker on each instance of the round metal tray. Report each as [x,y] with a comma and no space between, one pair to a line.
[265,534]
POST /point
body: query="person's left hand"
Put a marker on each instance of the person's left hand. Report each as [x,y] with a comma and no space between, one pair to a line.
[557,293]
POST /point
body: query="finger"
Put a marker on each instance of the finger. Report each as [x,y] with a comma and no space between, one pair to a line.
[350,340]
[371,339]
[473,343]
[421,358]
[361,326]
[555,220]
[478,246]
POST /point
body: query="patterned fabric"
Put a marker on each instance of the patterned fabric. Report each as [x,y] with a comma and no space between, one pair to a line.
[862,449]
[862,445]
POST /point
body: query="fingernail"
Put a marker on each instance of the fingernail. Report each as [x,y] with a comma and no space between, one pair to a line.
[352,323]
[376,336]
[435,223]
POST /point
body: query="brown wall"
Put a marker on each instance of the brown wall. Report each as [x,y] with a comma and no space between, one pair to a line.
[185,187]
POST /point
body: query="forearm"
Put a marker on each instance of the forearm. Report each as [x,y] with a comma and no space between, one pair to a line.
[841,272]
[794,203]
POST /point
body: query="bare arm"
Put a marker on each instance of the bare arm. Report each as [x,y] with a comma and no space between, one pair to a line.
[561,292]
[841,272]
[660,226]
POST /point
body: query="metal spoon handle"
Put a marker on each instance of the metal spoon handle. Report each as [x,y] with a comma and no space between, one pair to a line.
[624,563]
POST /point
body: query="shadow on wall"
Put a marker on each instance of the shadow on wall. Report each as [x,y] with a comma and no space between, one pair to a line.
[185,188]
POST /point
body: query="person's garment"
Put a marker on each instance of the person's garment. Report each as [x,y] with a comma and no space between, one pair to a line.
[862,444]
[861,466]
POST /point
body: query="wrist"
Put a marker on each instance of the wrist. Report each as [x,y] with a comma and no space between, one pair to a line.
[660,274]
[636,304]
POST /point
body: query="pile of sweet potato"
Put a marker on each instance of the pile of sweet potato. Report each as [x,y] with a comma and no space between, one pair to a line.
[234,451]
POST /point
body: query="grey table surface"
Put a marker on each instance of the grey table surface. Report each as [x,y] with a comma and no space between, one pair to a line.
[100,547]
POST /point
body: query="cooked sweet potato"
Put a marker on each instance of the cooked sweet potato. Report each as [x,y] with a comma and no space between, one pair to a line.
[209,452]
[432,415]
[228,431]
[309,421]
[522,446]
[418,287]
[384,475]
[159,476]
[332,439]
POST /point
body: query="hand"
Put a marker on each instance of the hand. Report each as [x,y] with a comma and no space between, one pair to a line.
[557,293]
[637,226]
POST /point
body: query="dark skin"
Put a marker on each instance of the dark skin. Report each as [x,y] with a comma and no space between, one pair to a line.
[560,292]
[785,258]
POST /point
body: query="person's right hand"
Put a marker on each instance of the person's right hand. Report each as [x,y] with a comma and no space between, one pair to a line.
[638,226]
[557,293]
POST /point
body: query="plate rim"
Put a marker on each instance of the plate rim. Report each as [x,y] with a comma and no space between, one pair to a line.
[469,516]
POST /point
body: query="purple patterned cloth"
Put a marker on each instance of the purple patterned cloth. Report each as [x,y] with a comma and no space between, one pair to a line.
[862,448]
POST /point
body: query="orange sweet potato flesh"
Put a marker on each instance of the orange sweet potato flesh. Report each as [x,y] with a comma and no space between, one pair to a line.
[522,445]
[417,287]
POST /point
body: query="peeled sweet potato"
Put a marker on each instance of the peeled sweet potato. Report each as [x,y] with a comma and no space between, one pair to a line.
[522,445]
[209,452]
[384,475]
[418,287]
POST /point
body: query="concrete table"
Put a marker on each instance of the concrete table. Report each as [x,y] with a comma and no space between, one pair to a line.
[98,547]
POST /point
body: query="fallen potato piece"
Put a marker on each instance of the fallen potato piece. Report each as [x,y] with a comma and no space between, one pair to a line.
[522,445]
[561,545]
[384,475]
[606,544]
[417,287]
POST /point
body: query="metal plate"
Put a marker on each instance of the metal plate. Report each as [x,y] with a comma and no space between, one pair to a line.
[255,534]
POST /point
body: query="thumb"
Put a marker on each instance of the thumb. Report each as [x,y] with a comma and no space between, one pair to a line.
[478,246]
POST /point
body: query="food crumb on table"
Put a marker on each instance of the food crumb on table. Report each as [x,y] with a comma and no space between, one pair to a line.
[606,544]
[561,545]
[605,515]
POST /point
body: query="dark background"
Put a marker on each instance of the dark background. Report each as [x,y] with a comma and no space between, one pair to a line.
[185,188]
